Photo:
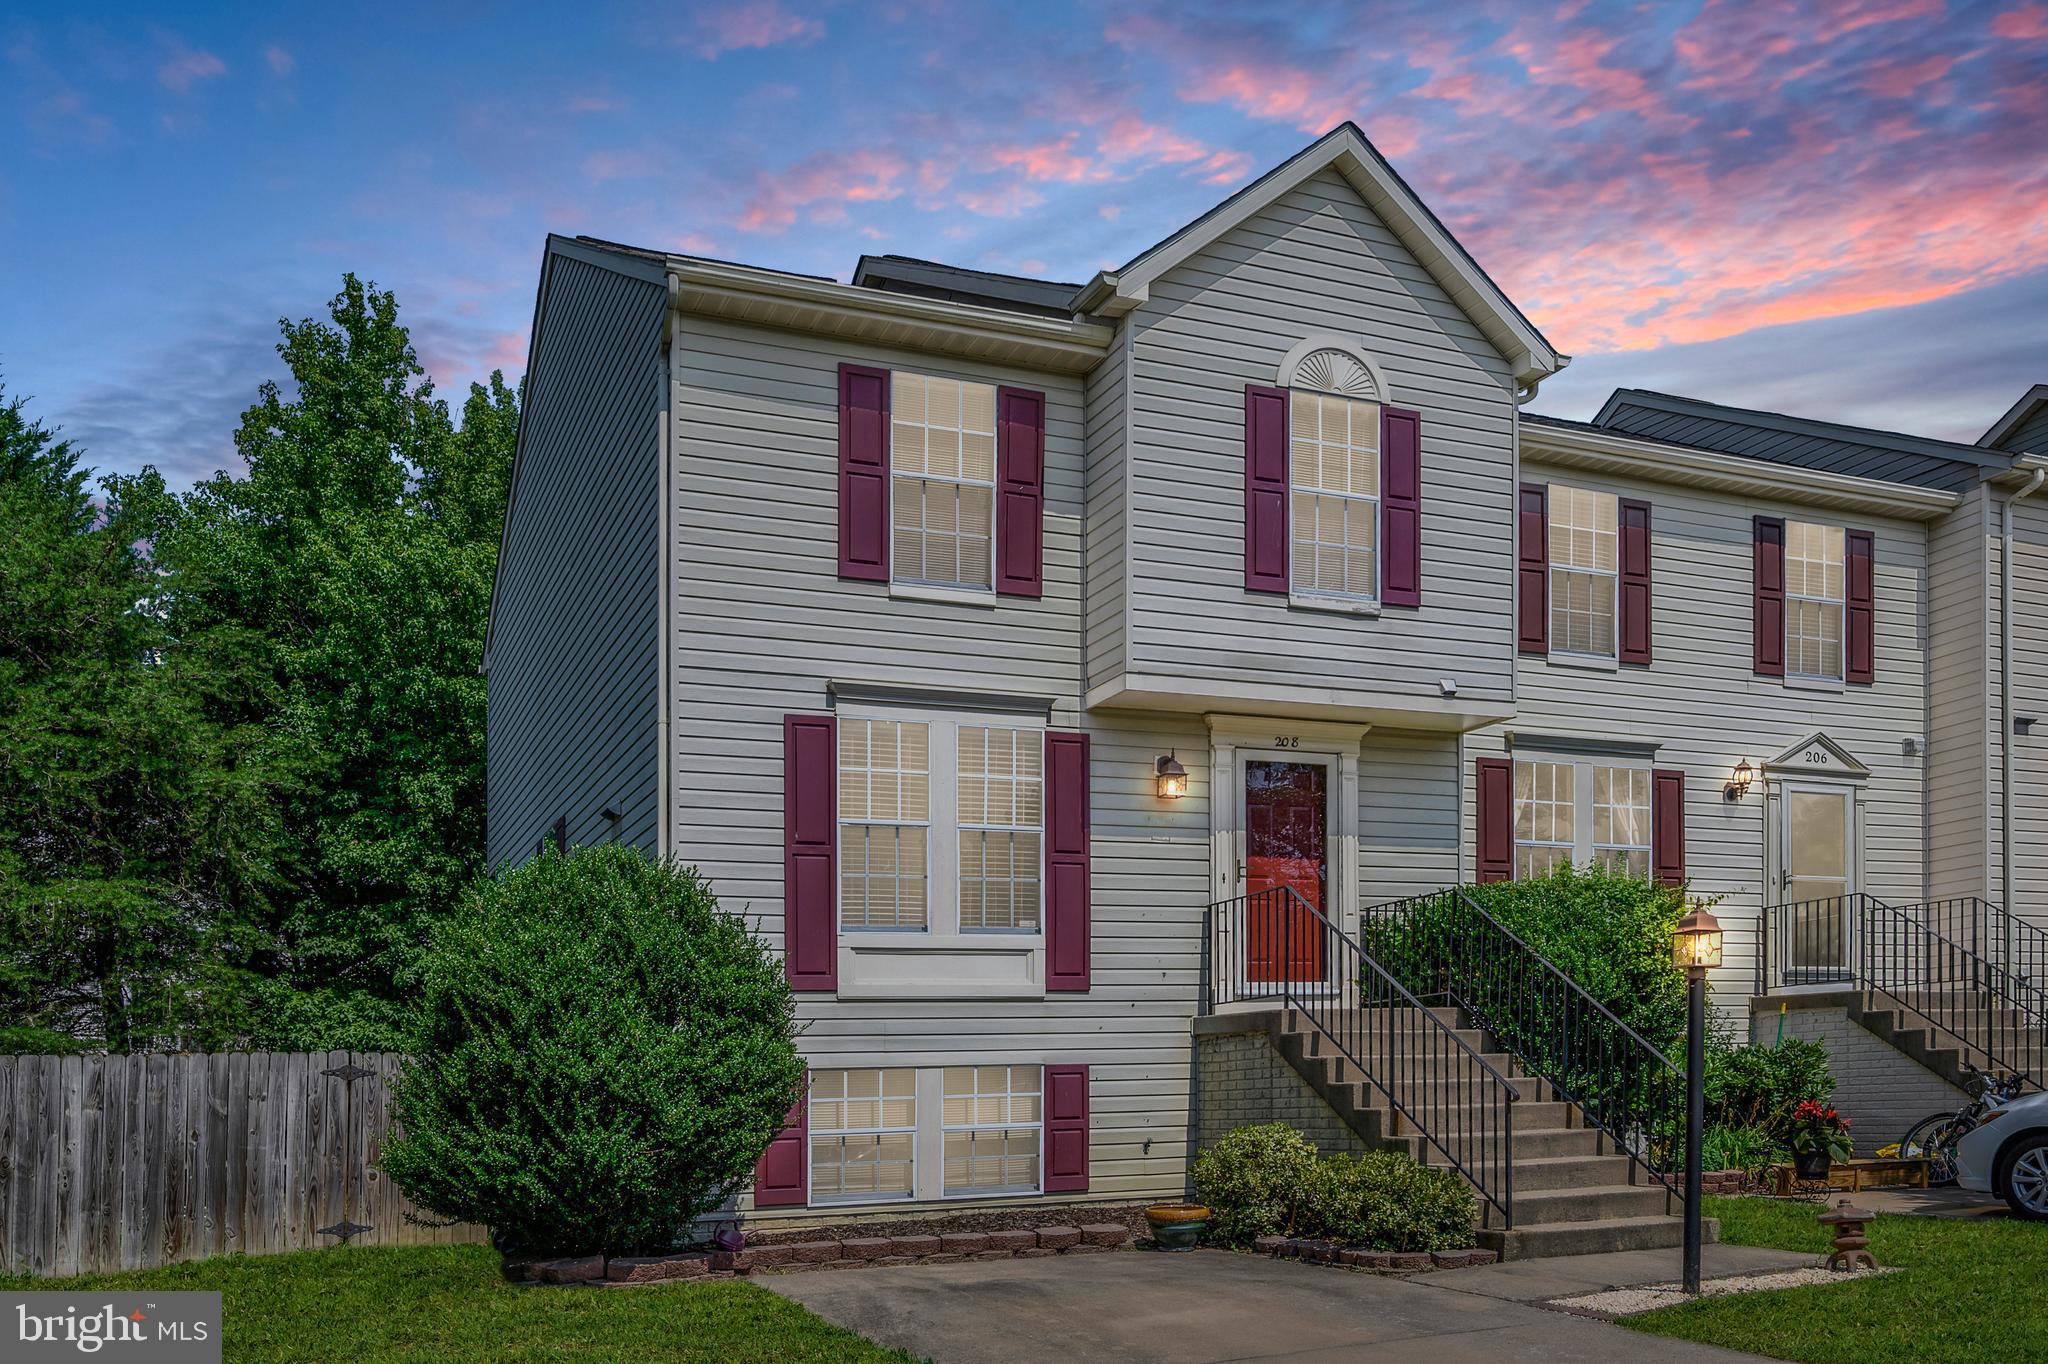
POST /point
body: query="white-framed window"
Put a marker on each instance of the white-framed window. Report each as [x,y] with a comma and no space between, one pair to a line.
[1585,558]
[863,1133]
[942,476]
[1002,824]
[1816,572]
[1333,463]
[1581,812]
[884,824]
[941,824]
[993,1121]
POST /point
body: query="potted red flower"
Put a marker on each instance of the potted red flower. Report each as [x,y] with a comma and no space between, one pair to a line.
[1819,1136]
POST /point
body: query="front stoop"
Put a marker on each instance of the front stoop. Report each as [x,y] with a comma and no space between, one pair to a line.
[1572,1191]
[1916,1036]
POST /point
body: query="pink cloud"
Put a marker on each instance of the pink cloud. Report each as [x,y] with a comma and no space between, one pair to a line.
[187,67]
[1000,201]
[593,104]
[750,24]
[696,244]
[599,167]
[1904,80]
[1054,160]
[2023,25]
[820,186]
[280,62]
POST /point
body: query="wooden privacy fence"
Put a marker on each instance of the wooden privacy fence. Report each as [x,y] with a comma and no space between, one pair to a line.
[125,1162]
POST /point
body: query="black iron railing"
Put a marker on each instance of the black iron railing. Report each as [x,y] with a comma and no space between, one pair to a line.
[1449,948]
[1965,966]
[1273,946]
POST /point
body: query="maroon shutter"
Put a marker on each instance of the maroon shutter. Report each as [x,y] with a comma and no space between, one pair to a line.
[1767,615]
[1861,629]
[782,1175]
[810,871]
[1265,489]
[1532,569]
[1635,581]
[864,473]
[1401,505]
[1066,861]
[1495,819]
[1066,1129]
[1020,492]
[1667,825]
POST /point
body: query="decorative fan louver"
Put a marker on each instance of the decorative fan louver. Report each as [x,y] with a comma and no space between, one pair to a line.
[1332,371]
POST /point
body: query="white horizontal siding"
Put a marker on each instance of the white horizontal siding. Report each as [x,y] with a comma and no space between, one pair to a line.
[575,673]
[1317,262]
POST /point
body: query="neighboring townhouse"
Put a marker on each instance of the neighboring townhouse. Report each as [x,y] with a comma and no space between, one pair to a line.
[992,644]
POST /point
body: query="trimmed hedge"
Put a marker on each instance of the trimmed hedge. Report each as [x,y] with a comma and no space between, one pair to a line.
[1269,1180]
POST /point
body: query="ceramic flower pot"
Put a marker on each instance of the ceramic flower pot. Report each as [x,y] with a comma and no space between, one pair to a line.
[1177,1226]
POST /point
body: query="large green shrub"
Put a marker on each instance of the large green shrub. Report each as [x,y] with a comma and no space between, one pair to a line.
[1759,1086]
[1268,1180]
[598,1057]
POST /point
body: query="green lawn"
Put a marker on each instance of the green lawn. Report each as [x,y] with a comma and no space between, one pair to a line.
[443,1303]
[1972,1290]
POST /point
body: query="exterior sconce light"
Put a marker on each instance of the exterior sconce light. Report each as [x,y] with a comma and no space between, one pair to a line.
[1738,782]
[1696,944]
[1172,778]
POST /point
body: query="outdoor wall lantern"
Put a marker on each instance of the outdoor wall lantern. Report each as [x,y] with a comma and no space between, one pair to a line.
[1738,782]
[1173,778]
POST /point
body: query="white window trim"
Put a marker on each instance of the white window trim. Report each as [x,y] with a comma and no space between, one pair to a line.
[928,589]
[1581,657]
[951,596]
[1038,1127]
[928,1142]
[1583,849]
[1837,681]
[1355,603]
[917,1155]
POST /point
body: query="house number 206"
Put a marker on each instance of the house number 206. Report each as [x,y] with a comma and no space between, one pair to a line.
[1287,741]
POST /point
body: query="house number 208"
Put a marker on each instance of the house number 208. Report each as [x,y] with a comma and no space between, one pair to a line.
[1287,741]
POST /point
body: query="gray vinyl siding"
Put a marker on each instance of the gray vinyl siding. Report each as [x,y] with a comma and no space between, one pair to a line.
[1108,395]
[762,624]
[1959,746]
[574,680]
[1409,790]
[2030,437]
[1703,705]
[2029,894]
[1317,261]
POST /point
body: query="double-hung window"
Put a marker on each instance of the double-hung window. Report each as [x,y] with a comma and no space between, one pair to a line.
[1334,468]
[1584,566]
[926,1132]
[941,825]
[1583,813]
[863,1127]
[993,1118]
[1814,600]
[942,474]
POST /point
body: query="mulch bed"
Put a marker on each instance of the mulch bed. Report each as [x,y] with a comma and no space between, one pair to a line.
[1131,1215]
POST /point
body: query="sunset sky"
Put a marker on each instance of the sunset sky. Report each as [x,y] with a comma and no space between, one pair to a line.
[1836,208]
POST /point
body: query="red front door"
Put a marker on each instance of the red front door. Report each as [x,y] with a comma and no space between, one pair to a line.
[1286,828]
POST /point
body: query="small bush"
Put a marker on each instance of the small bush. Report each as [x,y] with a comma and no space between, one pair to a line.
[1748,1149]
[1385,1201]
[1758,1087]
[1254,1182]
[598,1058]
[1268,1180]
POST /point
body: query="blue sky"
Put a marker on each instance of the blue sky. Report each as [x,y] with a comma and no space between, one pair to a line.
[1838,208]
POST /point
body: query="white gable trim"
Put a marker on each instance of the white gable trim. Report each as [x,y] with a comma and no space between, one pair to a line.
[1346,151]
[1290,364]
[1816,757]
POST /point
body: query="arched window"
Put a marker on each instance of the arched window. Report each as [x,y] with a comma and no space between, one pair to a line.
[1334,483]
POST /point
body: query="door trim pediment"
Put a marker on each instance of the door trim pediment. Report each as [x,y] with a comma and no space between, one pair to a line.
[1816,758]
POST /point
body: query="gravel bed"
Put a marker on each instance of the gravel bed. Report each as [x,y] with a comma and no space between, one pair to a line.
[1627,1302]
[1131,1215]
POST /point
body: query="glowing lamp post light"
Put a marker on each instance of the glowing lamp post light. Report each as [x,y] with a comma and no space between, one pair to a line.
[1695,946]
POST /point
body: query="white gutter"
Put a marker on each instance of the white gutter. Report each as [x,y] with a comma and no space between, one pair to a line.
[2005,715]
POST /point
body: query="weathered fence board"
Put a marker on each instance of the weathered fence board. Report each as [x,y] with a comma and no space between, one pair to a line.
[126,1162]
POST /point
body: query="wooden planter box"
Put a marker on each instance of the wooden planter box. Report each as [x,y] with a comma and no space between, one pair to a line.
[1855,1175]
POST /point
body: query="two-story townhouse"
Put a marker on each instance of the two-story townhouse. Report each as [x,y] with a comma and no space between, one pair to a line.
[984,640]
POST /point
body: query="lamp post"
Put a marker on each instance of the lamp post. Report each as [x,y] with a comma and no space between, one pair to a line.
[1696,946]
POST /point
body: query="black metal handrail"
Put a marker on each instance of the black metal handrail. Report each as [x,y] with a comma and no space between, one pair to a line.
[1273,946]
[1963,965]
[1451,948]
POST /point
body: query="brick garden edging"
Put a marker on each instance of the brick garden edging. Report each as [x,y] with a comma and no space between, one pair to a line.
[1379,1261]
[1728,1182]
[797,1257]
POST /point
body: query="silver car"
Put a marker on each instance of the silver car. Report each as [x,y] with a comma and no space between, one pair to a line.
[2006,1154]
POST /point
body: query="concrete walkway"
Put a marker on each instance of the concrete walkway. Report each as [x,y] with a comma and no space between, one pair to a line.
[1213,1306]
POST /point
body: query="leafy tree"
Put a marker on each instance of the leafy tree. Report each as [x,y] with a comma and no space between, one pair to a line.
[599,1056]
[137,813]
[358,547]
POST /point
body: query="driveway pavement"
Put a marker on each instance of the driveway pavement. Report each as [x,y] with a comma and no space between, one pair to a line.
[1213,1306]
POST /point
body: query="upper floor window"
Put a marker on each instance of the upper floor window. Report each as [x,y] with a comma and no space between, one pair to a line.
[941,826]
[1581,813]
[1334,485]
[1814,600]
[1584,571]
[942,474]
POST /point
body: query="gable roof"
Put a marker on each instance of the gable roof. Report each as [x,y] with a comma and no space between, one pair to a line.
[2019,414]
[1800,441]
[1346,150]
[958,284]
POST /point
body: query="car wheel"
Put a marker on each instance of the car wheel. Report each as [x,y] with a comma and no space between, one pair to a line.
[2025,1179]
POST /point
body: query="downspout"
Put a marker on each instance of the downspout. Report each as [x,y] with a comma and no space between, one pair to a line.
[2005,702]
